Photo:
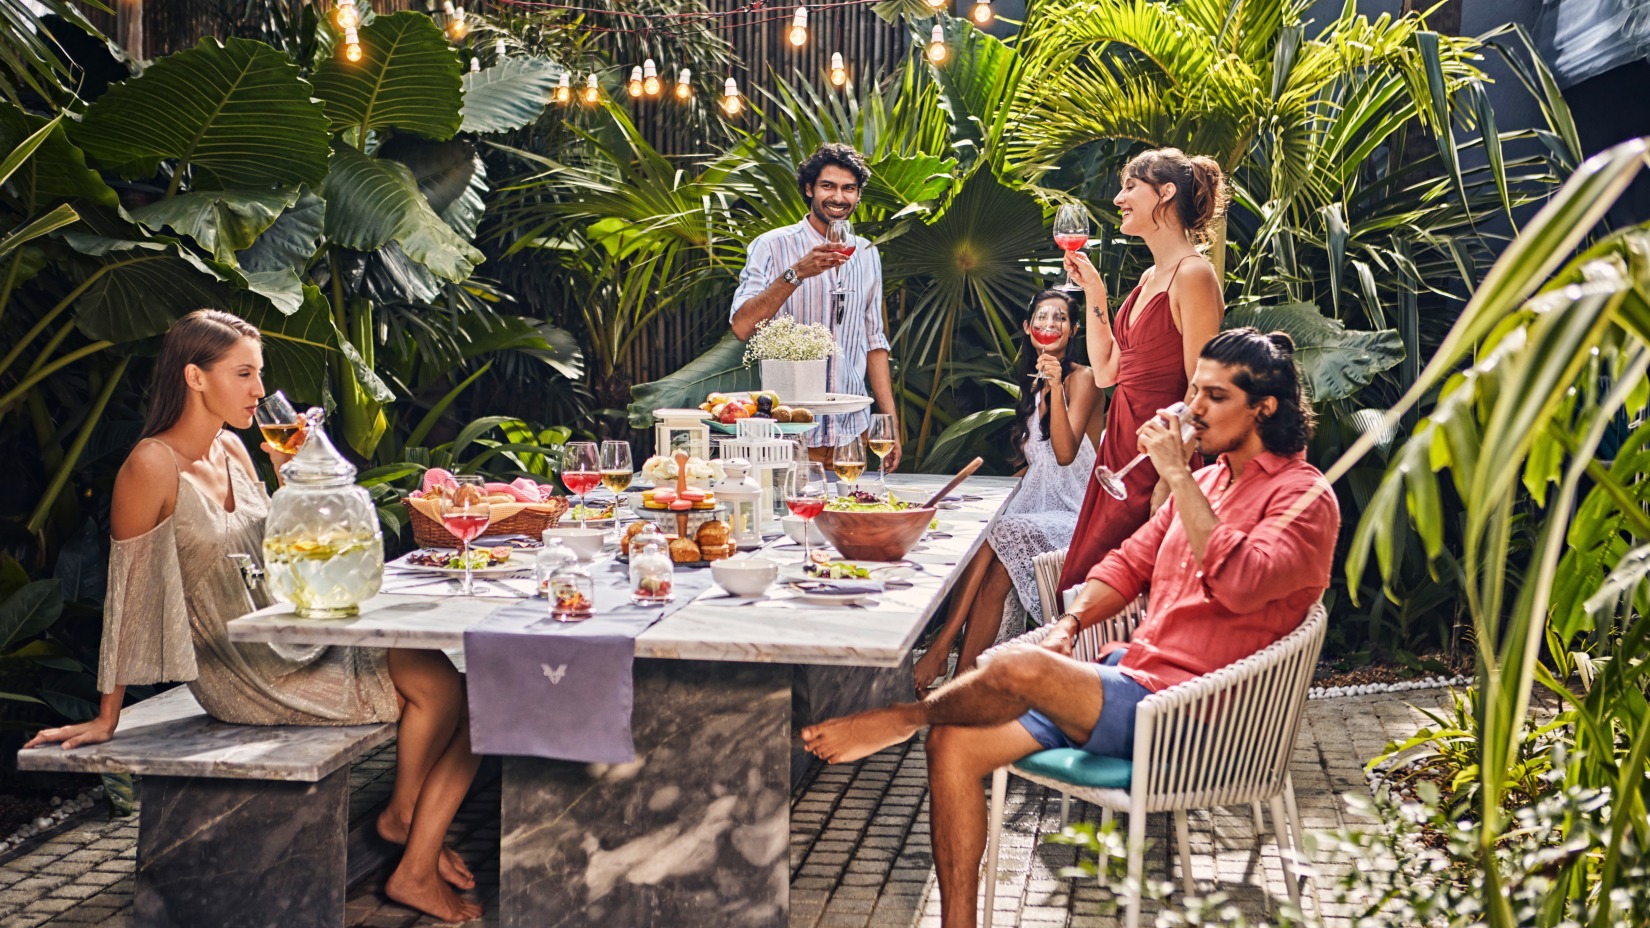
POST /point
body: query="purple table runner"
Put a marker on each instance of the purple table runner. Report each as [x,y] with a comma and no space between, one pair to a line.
[563,690]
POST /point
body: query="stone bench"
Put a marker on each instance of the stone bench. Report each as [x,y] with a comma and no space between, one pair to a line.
[242,825]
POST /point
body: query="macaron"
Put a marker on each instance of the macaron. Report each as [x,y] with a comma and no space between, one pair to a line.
[680,505]
[663,495]
[694,496]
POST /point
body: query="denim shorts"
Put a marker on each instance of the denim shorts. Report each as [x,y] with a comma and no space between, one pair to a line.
[1113,734]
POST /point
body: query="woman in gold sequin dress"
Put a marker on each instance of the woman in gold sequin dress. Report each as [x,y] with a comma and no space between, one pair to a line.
[187,497]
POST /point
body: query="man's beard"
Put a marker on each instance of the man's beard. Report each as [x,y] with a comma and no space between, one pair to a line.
[817,207]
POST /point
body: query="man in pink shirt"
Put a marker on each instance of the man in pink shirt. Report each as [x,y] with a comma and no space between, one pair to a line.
[1229,573]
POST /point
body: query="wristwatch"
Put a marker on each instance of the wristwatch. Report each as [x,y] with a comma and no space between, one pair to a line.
[791,277]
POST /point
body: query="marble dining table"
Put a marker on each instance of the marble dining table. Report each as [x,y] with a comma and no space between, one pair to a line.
[695,831]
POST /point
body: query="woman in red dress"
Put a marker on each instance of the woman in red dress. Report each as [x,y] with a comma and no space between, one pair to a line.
[1149,350]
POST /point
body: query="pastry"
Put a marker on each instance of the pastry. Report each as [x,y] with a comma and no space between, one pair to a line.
[800,414]
[714,532]
[716,552]
[782,413]
[630,532]
[683,551]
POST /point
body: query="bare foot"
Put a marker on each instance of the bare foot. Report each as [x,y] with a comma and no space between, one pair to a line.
[928,669]
[432,897]
[852,737]
[451,866]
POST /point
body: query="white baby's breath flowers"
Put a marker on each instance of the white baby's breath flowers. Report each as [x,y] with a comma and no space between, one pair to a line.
[784,339]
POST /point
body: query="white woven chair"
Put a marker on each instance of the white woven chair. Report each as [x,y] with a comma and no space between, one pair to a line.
[1222,739]
[1047,567]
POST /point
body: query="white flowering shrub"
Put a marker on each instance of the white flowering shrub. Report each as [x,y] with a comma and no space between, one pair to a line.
[782,338]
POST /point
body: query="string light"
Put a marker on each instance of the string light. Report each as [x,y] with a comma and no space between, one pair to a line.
[498,49]
[937,51]
[457,28]
[346,15]
[839,73]
[799,27]
[936,4]
[650,79]
[352,45]
[635,84]
[475,64]
[564,89]
[982,14]
[684,84]
[731,102]
[592,90]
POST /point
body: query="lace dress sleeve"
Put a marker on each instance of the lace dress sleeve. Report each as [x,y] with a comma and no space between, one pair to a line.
[146,637]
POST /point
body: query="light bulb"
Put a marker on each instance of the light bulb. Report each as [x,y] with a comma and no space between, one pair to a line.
[731,103]
[936,4]
[458,29]
[352,52]
[592,90]
[839,74]
[498,49]
[650,79]
[684,84]
[936,45]
[346,15]
[635,84]
[564,88]
[982,14]
[475,64]
[447,7]
[799,27]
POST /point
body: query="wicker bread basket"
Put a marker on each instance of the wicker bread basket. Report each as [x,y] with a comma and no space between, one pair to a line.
[530,519]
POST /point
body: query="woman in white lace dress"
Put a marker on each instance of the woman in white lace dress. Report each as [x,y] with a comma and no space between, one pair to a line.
[1055,430]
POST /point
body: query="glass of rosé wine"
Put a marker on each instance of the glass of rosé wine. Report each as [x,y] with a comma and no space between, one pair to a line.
[805,497]
[581,471]
[1071,233]
[465,512]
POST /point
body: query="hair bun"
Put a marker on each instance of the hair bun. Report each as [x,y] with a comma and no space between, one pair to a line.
[1282,342]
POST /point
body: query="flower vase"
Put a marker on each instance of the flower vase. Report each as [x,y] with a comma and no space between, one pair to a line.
[795,381]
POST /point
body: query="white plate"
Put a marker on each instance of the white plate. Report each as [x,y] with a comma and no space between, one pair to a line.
[514,567]
[834,404]
[827,599]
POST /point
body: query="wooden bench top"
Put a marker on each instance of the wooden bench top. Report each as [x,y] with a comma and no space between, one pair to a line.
[171,735]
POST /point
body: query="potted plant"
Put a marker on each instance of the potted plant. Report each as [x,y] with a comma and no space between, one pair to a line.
[793,356]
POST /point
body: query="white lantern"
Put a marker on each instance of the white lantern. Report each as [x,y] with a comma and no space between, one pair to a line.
[743,497]
[759,442]
[681,428]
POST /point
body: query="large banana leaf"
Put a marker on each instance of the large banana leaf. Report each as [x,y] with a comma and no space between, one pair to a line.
[222,222]
[407,79]
[298,347]
[291,240]
[449,174]
[1335,362]
[374,201]
[231,116]
[138,290]
[721,369]
[508,95]
[56,171]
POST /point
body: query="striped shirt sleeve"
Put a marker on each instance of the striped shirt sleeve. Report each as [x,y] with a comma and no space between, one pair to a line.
[760,271]
[875,335]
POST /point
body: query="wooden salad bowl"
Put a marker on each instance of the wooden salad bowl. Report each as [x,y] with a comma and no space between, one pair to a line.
[874,536]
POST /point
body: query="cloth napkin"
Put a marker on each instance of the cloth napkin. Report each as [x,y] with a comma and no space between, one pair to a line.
[563,690]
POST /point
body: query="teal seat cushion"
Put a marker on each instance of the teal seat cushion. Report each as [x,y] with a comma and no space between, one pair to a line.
[1079,768]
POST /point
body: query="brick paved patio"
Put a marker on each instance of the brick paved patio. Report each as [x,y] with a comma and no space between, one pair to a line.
[859,853]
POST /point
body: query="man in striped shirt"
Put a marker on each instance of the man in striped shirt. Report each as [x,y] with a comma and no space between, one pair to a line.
[790,271]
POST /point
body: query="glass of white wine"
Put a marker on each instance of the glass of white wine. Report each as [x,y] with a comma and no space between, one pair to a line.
[882,437]
[849,461]
[280,424]
[617,470]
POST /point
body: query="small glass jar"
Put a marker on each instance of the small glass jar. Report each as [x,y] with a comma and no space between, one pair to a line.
[652,574]
[553,555]
[572,593]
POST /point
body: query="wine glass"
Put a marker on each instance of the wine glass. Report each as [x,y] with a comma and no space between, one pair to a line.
[580,471]
[616,471]
[848,461]
[280,424]
[882,437]
[1112,482]
[839,238]
[805,498]
[465,512]
[1071,232]
[1047,328]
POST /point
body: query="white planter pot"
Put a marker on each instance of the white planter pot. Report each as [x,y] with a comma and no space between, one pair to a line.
[795,381]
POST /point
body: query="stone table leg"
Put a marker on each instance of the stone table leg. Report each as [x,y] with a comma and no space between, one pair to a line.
[695,832]
[249,853]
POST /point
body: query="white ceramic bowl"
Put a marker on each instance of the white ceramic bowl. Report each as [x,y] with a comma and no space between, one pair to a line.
[584,542]
[745,576]
[793,527]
